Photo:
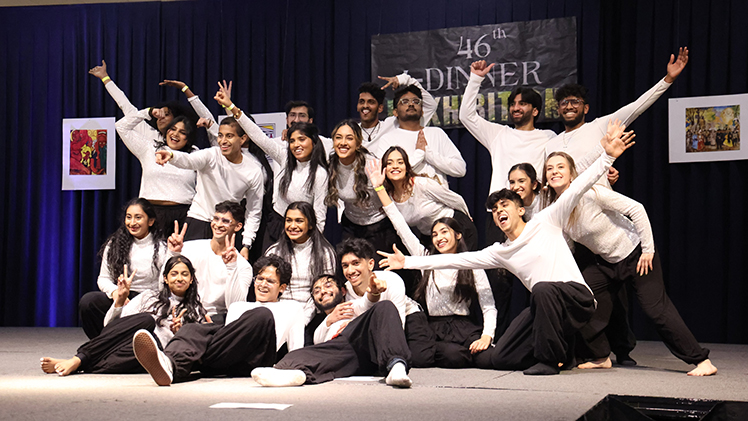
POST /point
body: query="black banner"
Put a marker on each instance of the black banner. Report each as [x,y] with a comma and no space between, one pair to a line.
[541,54]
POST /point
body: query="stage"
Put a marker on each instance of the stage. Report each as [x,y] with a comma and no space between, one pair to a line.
[27,393]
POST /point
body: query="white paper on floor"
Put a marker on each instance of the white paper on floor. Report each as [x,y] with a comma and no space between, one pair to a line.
[277,406]
[360,379]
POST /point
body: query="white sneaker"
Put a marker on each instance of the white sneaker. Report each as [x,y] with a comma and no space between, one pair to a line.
[273,377]
[398,377]
[152,358]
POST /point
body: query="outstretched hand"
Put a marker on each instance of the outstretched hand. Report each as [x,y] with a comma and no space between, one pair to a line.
[676,65]
[480,68]
[391,81]
[99,71]
[176,239]
[376,286]
[162,157]
[616,140]
[375,172]
[392,261]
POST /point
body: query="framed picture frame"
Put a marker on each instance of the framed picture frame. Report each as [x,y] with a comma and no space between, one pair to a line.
[89,153]
[707,128]
[270,123]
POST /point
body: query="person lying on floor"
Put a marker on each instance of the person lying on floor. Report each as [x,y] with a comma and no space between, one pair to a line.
[359,344]
[251,337]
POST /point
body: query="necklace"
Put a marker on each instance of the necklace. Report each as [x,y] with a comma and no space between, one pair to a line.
[372,132]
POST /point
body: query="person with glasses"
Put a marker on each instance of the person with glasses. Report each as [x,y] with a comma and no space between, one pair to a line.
[251,337]
[579,136]
[430,150]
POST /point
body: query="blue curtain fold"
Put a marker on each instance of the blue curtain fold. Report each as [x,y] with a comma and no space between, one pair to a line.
[319,51]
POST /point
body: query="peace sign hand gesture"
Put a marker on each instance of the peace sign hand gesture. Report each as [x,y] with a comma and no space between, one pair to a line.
[123,287]
[229,254]
[176,321]
[175,241]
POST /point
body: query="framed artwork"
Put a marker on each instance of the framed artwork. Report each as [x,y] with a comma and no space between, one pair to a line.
[89,153]
[706,128]
[270,123]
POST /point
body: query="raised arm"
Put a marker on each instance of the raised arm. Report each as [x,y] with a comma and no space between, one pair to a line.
[200,108]
[482,130]
[137,141]
[428,105]
[275,148]
[488,258]
[116,93]
[442,194]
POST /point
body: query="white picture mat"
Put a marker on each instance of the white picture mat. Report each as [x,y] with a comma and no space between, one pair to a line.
[93,181]
[270,123]
[677,128]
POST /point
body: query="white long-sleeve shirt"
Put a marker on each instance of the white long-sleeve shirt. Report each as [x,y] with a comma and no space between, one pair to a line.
[429,105]
[442,283]
[395,293]
[429,202]
[288,316]
[506,145]
[611,225]
[218,284]
[440,158]
[218,180]
[142,303]
[581,141]
[359,215]
[277,149]
[146,277]
[539,253]
[157,182]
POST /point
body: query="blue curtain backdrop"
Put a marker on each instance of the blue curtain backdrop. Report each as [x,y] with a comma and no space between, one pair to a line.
[320,51]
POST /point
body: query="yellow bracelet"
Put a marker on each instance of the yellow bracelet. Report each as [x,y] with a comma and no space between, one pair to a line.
[380,188]
[171,154]
[185,88]
[231,107]
[105,79]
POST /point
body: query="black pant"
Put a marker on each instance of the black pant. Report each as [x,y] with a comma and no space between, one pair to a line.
[606,278]
[92,309]
[443,341]
[234,349]
[111,351]
[167,214]
[370,344]
[545,331]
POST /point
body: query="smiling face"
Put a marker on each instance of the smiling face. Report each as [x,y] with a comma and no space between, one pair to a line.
[522,112]
[296,226]
[267,285]
[301,146]
[444,238]
[326,294]
[520,183]
[507,215]
[368,108]
[229,140]
[572,111]
[406,108]
[137,222]
[345,144]
[357,270]
[395,169]
[176,136]
[178,279]
[558,173]
[224,224]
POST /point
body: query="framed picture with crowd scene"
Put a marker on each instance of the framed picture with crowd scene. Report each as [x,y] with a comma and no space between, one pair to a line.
[707,128]
[88,153]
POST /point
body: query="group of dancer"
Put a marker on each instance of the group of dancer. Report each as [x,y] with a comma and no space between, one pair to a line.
[179,293]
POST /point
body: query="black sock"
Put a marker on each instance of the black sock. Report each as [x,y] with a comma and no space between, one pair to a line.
[542,369]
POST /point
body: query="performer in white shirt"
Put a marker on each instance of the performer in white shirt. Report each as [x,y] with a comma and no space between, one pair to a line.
[561,303]
[430,149]
[361,343]
[137,243]
[252,335]
[161,312]
[618,231]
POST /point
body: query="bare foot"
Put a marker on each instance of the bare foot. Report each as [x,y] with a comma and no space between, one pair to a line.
[704,368]
[599,363]
[48,364]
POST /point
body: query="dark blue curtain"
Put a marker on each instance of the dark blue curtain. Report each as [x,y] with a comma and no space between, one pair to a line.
[320,51]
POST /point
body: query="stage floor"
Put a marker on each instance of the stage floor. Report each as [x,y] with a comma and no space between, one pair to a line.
[27,393]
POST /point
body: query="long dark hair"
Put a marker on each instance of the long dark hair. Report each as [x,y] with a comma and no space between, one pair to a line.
[190,301]
[465,283]
[189,127]
[317,158]
[361,181]
[120,242]
[321,248]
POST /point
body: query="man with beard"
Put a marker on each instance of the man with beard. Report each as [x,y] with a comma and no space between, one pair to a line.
[371,104]
[357,344]
[573,106]
[430,151]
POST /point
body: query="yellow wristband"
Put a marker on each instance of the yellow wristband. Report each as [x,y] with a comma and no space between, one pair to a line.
[105,79]
[185,88]
[171,154]
[223,106]
[231,107]
[380,188]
